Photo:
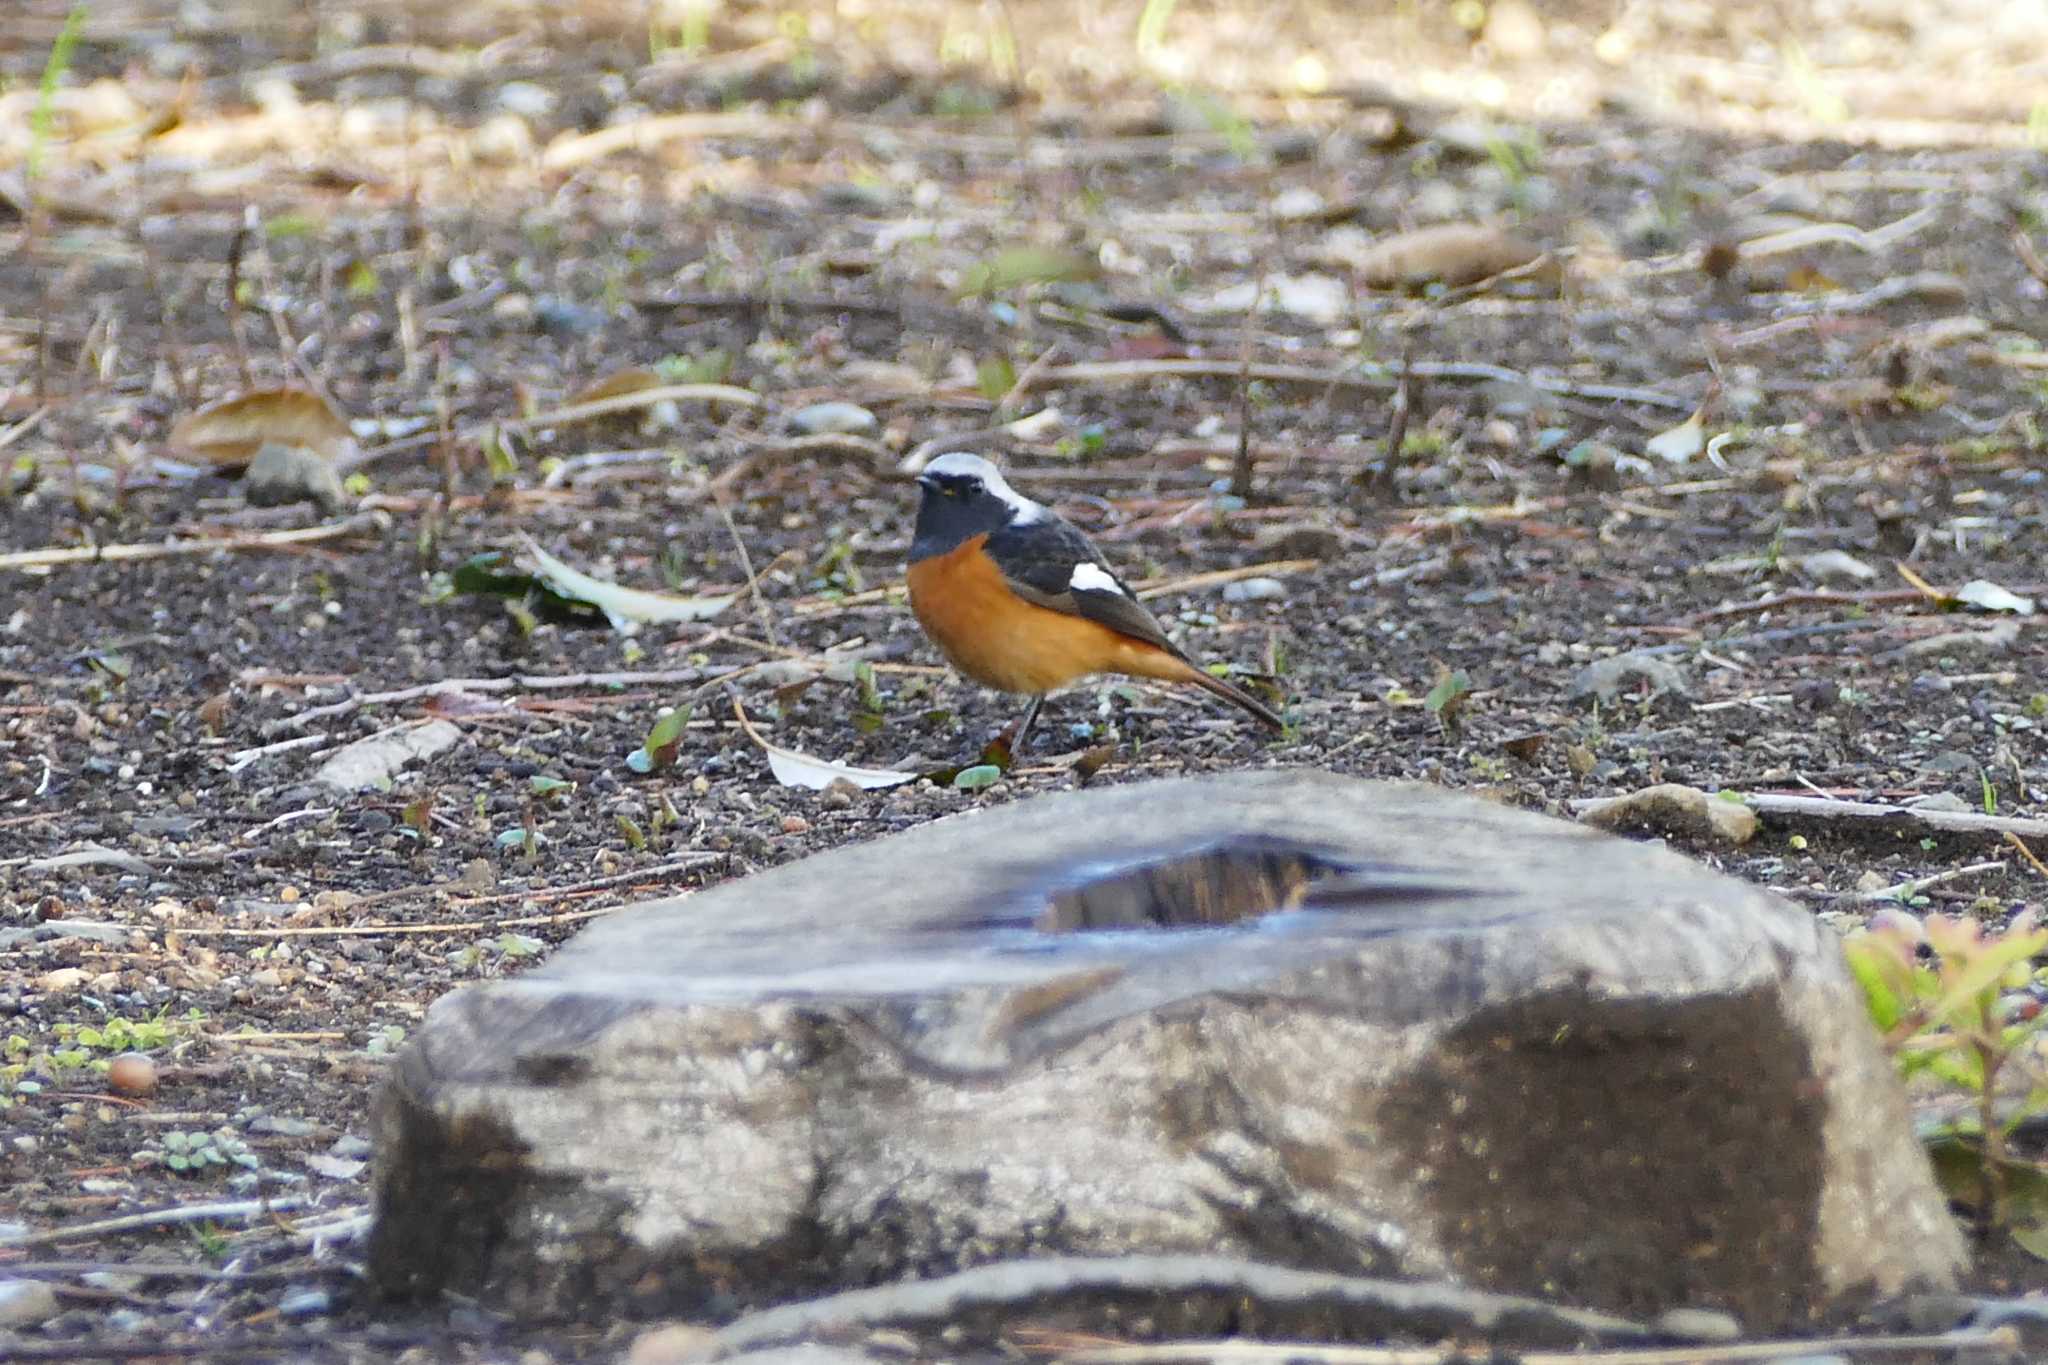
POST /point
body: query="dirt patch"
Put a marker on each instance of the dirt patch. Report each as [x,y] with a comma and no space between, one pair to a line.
[461,220]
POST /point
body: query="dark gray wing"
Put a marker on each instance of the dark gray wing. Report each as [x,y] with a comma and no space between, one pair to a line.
[1039,559]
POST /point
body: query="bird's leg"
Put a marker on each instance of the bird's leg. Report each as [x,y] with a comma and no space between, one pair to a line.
[1013,737]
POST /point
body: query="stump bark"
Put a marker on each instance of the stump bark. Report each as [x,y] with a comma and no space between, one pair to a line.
[1336,1025]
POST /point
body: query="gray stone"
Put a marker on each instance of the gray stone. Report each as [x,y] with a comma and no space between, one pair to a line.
[834,418]
[1254,590]
[376,761]
[26,1303]
[92,931]
[281,474]
[1286,1016]
[282,1125]
[1674,809]
[305,1303]
[1607,679]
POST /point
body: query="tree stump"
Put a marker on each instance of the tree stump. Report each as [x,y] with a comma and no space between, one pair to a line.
[1331,1024]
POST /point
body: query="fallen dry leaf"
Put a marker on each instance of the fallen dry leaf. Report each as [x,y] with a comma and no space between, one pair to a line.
[229,433]
[626,608]
[1453,254]
[793,769]
[615,385]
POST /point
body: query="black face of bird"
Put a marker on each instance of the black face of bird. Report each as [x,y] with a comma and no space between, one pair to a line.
[962,496]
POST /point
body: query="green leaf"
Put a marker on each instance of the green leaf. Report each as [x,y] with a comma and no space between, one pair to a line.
[995,377]
[1877,969]
[870,691]
[977,777]
[478,576]
[1016,266]
[663,739]
[519,945]
[1449,693]
[710,368]
[286,226]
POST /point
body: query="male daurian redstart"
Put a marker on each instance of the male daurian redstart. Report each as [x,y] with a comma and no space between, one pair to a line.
[1020,600]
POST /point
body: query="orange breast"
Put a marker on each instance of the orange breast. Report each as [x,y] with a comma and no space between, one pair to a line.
[998,639]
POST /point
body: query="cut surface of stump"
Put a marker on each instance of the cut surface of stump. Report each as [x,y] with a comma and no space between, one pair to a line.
[1336,1025]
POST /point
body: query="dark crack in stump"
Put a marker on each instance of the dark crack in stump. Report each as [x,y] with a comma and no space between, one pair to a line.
[1339,1026]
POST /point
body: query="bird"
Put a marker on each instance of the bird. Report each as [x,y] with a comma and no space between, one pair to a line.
[1019,599]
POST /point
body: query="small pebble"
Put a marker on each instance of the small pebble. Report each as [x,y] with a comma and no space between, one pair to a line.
[281,1125]
[284,474]
[855,197]
[1254,590]
[834,418]
[128,1320]
[503,139]
[132,1074]
[305,1303]
[795,824]
[118,1281]
[1631,675]
[561,318]
[1699,1324]
[526,98]
[670,1344]
[26,1303]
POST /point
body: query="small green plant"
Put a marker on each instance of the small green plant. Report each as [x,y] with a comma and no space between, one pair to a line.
[195,1153]
[691,34]
[1152,22]
[117,1034]
[212,1242]
[1447,695]
[1947,1016]
[43,116]
[712,367]
[385,1040]
[658,750]
[871,698]
[1520,160]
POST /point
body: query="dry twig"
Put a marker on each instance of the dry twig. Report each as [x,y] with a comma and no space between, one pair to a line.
[1869,812]
[1236,1352]
[173,549]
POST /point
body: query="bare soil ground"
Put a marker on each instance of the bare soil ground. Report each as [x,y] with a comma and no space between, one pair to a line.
[1818,229]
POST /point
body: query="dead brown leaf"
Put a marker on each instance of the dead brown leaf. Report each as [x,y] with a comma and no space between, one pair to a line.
[228,433]
[1453,254]
[617,385]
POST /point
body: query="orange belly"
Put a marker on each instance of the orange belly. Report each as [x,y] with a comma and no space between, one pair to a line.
[998,639]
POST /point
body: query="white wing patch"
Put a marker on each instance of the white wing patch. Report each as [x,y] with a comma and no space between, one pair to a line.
[1088,577]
